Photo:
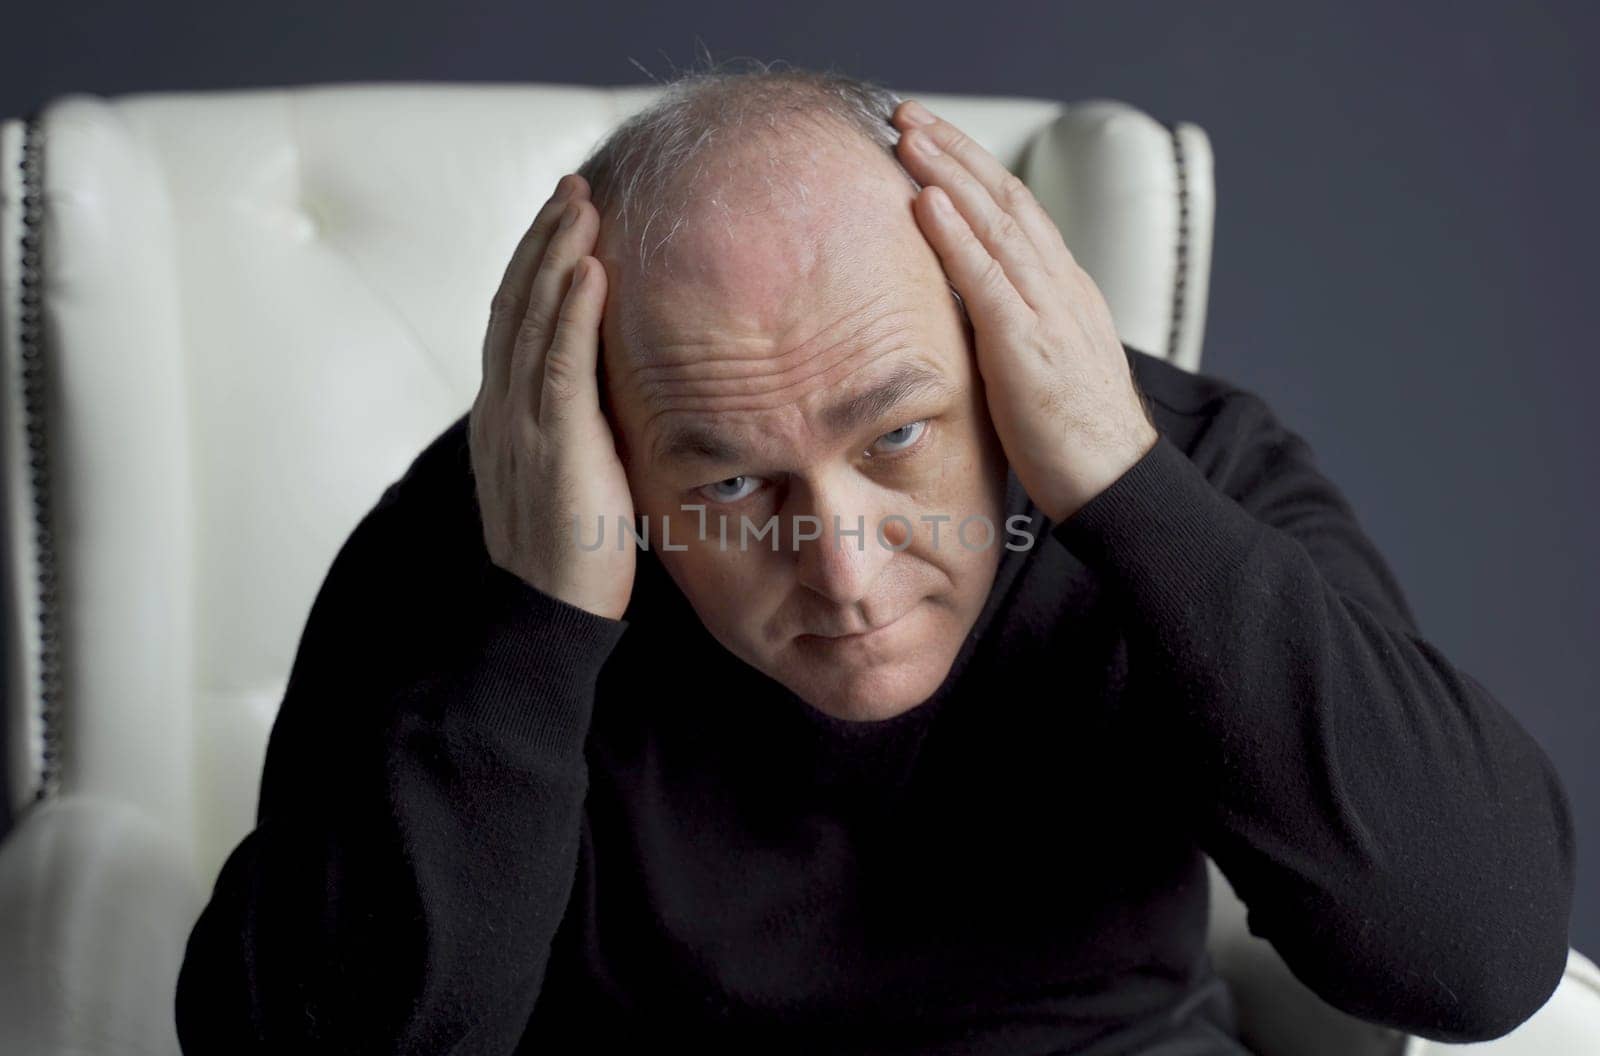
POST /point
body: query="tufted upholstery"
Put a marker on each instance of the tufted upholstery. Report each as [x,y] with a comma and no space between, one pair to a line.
[230,320]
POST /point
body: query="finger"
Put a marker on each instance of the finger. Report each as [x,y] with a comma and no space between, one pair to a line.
[985,287]
[1003,185]
[571,388]
[574,236]
[993,224]
[510,302]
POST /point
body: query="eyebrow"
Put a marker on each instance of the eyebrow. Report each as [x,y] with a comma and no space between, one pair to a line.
[694,442]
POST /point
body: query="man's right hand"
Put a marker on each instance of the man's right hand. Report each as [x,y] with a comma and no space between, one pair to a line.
[542,450]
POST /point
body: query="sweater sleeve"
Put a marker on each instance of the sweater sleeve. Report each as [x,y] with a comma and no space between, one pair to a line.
[418,826]
[1403,843]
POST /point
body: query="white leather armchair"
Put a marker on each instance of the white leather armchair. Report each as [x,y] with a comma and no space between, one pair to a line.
[230,320]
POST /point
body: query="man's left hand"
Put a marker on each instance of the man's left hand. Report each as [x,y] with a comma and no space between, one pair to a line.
[1061,396]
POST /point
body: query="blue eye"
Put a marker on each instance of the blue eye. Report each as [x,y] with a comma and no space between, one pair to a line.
[710,490]
[902,438]
[735,489]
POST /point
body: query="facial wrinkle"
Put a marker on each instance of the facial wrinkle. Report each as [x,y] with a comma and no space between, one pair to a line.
[832,366]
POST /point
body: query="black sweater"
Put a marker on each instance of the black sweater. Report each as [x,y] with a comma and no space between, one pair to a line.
[492,822]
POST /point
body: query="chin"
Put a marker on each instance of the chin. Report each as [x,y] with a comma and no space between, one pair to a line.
[873,693]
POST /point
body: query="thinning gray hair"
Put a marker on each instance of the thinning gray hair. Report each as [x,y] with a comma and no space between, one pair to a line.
[647,169]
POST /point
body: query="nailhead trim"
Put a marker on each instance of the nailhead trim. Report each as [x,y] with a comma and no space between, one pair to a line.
[1181,279]
[35,408]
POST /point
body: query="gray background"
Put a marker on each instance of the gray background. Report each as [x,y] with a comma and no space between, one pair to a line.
[1404,252]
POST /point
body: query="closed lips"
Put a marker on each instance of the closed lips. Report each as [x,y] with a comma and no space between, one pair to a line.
[855,634]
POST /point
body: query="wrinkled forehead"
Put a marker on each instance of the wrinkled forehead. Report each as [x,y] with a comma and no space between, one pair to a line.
[778,320]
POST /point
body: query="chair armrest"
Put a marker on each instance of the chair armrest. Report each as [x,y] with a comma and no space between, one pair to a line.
[1567,1025]
[96,904]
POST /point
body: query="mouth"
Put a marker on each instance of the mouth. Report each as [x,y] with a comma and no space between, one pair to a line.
[870,634]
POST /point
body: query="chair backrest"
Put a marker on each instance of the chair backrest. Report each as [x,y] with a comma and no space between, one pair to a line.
[233,318]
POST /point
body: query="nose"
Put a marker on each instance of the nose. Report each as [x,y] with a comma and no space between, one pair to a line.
[834,537]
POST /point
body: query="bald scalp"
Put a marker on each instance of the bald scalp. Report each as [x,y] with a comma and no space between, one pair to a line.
[645,173]
[755,247]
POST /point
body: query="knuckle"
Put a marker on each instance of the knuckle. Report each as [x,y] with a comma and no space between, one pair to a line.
[569,317]
[563,391]
[993,276]
[503,303]
[549,217]
[1014,194]
[560,374]
[535,325]
[1012,230]
[1001,228]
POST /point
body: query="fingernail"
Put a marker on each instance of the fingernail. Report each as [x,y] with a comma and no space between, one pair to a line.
[563,187]
[917,114]
[568,217]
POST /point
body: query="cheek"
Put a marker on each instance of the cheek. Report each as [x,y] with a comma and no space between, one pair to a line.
[968,482]
[725,586]
[968,473]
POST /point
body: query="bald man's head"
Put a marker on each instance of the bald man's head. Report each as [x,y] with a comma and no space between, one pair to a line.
[793,351]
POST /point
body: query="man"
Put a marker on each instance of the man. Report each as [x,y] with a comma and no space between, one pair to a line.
[860,776]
